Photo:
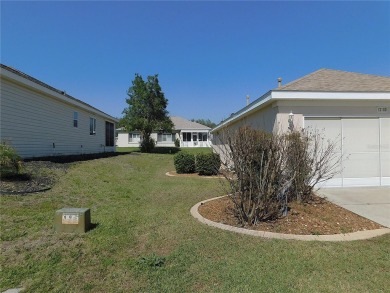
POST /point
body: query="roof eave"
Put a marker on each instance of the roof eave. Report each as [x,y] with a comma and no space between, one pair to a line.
[31,82]
[254,106]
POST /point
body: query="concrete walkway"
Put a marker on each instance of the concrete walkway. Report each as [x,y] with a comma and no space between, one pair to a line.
[370,202]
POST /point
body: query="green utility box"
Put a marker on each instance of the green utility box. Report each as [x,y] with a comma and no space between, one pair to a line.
[73,220]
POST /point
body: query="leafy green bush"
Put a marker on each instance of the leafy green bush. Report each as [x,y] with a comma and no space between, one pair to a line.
[184,163]
[177,143]
[299,161]
[147,145]
[208,164]
[10,162]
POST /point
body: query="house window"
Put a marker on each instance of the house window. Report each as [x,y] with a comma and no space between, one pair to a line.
[92,126]
[109,134]
[134,137]
[186,136]
[202,136]
[75,119]
[164,137]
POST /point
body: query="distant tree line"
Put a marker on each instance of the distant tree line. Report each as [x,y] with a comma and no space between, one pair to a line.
[206,122]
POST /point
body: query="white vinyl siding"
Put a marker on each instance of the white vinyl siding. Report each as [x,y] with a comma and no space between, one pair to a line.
[32,121]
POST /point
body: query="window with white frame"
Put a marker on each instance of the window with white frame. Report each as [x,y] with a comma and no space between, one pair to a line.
[75,119]
[164,137]
[134,137]
[92,126]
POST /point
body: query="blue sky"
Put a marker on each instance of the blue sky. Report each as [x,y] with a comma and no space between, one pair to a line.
[208,55]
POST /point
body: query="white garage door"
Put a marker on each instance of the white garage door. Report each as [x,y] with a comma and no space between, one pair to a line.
[364,144]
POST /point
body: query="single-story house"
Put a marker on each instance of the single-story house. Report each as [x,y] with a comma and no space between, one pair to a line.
[188,133]
[39,120]
[352,108]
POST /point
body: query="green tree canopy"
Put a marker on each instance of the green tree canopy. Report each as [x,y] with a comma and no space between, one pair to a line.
[147,110]
[206,122]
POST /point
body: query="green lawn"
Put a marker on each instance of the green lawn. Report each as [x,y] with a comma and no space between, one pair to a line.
[147,241]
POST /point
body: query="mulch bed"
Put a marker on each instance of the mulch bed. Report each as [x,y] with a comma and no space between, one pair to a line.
[320,217]
[37,176]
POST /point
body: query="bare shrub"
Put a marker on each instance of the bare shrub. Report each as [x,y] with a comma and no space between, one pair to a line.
[265,171]
[258,180]
[313,159]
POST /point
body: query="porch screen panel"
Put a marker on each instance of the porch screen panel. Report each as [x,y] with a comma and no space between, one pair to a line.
[110,134]
[186,136]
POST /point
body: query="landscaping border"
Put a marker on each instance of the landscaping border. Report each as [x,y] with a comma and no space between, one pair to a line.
[360,235]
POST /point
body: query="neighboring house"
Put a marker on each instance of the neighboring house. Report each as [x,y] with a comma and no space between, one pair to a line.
[188,133]
[352,108]
[39,120]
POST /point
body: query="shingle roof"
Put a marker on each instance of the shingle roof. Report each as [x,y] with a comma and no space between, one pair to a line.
[328,80]
[181,123]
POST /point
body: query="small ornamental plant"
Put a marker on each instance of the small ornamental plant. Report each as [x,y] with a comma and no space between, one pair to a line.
[10,162]
[208,164]
[177,143]
[184,163]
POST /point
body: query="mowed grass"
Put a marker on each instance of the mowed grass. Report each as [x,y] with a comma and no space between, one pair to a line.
[145,240]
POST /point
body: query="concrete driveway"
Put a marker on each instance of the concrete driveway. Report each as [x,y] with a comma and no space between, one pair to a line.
[370,202]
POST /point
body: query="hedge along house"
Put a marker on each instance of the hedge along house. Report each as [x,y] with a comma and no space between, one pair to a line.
[351,108]
[39,120]
[188,133]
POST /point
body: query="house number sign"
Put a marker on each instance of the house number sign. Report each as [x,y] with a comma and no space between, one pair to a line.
[72,219]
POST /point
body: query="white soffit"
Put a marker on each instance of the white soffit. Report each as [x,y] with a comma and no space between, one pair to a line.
[294,95]
[298,95]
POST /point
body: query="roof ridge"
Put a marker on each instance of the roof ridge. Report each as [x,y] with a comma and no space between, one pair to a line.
[301,78]
[329,70]
[326,79]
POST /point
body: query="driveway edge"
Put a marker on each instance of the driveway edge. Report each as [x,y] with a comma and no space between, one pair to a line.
[360,235]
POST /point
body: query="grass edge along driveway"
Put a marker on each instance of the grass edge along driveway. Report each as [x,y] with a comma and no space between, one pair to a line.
[147,241]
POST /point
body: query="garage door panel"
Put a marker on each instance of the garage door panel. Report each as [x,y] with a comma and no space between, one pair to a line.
[385,134]
[338,166]
[361,165]
[329,128]
[360,135]
[365,149]
[385,164]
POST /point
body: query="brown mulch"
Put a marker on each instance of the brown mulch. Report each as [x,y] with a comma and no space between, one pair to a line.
[320,217]
[36,176]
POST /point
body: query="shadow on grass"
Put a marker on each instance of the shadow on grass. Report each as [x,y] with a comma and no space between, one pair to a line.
[166,150]
[77,158]
[93,226]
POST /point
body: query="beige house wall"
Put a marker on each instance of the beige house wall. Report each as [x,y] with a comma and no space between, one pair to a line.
[37,123]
